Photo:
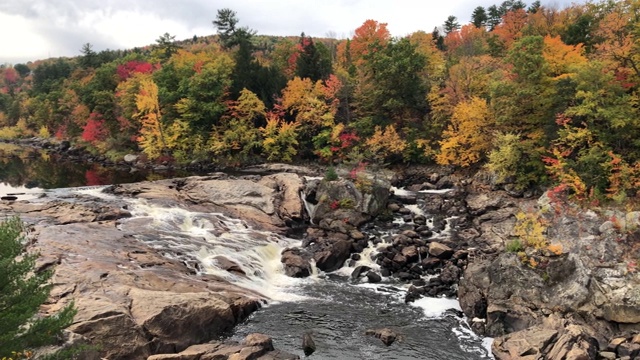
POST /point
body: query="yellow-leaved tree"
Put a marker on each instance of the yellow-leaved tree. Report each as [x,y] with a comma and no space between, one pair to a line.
[280,139]
[237,136]
[385,143]
[467,139]
[151,138]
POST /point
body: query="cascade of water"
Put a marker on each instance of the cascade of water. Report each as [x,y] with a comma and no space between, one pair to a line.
[218,245]
[311,208]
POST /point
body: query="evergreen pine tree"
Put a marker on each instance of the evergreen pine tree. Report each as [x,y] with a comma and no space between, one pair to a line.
[22,291]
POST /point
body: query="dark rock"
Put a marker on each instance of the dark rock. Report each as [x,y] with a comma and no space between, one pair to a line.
[385,272]
[400,259]
[308,345]
[404,276]
[450,274]
[333,257]
[294,264]
[461,254]
[358,271]
[393,207]
[356,257]
[401,240]
[431,263]
[404,211]
[410,253]
[373,277]
[628,349]
[9,198]
[419,220]
[410,234]
[387,336]
[440,250]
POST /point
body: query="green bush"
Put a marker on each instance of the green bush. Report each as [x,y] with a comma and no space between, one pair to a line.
[330,174]
[514,246]
[22,291]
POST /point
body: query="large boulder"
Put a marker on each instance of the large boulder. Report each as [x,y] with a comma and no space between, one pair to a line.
[345,201]
[295,263]
[333,256]
[176,320]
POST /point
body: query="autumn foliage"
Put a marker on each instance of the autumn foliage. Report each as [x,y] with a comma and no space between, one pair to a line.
[540,96]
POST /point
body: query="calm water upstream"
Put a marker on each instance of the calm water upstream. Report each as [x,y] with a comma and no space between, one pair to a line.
[334,310]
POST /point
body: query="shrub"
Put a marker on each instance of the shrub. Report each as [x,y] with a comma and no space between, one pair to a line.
[514,246]
[330,174]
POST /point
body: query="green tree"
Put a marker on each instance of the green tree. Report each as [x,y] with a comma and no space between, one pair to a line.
[166,46]
[89,57]
[451,24]
[479,17]
[22,291]
[494,16]
[22,69]
[228,34]
[311,62]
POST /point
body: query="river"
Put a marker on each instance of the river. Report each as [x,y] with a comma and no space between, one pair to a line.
[333,309]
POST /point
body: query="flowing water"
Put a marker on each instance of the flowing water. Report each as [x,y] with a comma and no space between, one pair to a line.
[335,310]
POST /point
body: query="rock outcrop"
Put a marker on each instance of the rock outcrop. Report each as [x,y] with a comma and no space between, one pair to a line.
[132,301]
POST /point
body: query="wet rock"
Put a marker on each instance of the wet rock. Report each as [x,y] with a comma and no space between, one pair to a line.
[295,265]
[333,256]
[308,345]
[419,220]
[228,265]
[373,277]
[410,253]
[440,250]
[177,320]
[260,340]
[410,234]
[450,274]
[386,335]
[430,263]
[393,207]
[359,271]
[400,259]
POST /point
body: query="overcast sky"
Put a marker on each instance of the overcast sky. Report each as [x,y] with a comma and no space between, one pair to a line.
[38,29]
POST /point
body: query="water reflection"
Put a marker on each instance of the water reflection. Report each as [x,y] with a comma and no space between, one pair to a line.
[28,170]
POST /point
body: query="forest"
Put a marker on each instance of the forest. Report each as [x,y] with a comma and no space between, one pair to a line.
[536,95]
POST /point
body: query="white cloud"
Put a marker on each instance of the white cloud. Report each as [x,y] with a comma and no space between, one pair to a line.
[35,29]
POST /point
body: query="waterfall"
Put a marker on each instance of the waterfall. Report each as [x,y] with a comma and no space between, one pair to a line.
[212,243]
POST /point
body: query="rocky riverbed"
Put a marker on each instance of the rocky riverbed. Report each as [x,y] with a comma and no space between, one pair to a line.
[573,295]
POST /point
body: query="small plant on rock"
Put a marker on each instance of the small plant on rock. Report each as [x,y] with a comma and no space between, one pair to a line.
[330,174]
[514,246]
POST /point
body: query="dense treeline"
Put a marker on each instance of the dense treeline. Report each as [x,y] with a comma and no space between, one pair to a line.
[535,93]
